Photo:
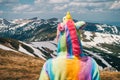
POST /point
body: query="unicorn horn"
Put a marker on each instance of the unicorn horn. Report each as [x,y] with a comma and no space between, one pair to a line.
[68,16]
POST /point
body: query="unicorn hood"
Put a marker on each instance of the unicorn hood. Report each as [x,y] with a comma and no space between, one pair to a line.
[68,37]
[70,63]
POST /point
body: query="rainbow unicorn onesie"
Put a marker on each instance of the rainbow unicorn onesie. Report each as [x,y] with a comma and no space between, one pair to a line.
[71,63]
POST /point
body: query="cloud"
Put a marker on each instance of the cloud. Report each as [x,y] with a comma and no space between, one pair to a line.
[115,5]
[8,1]
[93,0]
[90,5]
[51,1]
[51,6]
[20,8]
[1,12]
[97,10]
[73,5]
[7,5]
[57,8]
[38,1]
[58,1]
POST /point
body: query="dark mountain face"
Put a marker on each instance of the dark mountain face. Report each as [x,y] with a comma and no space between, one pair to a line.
[4,22]
[31,30]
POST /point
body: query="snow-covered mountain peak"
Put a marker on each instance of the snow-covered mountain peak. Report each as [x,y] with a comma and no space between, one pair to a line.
[102,28]
[97,38]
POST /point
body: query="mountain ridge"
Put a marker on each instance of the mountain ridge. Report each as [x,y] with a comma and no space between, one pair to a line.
[40,29]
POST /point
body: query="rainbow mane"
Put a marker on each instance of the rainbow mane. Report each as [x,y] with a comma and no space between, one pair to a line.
[69,39]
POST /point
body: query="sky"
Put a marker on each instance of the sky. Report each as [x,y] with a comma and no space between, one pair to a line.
[100,11]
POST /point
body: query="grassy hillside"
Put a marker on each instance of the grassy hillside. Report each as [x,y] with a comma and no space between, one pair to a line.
[19,66]
[105,75]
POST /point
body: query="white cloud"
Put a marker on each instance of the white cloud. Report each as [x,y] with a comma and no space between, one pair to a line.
[20,8]
[57,8]
[82,4]
[90,6]
[1,12]
[73,5]
[38,1]
[94,0]
[97,10]
[49,8]
[50,1]
[58,1]
[115,5]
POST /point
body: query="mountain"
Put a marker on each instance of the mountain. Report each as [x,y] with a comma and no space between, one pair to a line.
[19,47]
[4,22]
[26,48]
[20,66]
[100,41]
[30,29]
[48,49]
[107,54]
[36,29]
[102,28]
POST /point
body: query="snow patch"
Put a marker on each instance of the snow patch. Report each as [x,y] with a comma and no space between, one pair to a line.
[99,27]
[118,56]
[36,51]
[47,44]
[18,26]
[88,35]
[100,38]
[21,49]
[6,48]
[103,49]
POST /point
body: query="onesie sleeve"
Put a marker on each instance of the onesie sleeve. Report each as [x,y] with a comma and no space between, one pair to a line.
[44,73]
[95,71]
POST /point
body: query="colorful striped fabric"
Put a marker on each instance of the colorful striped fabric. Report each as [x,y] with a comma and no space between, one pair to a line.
[71,63]
[62,68]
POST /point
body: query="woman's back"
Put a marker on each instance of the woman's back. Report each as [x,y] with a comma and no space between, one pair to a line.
[61,68]
[71,63]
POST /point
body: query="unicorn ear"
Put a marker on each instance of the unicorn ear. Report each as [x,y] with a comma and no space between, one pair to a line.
[80,24]
[61,27]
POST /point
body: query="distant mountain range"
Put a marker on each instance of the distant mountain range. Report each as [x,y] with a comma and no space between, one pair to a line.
[100,41]
[35,29]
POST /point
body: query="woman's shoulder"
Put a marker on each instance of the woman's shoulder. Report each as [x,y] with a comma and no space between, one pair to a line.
[89,59]
[49,61]
[92,59]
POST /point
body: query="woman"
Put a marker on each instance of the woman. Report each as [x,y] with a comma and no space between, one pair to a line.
[71,63]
